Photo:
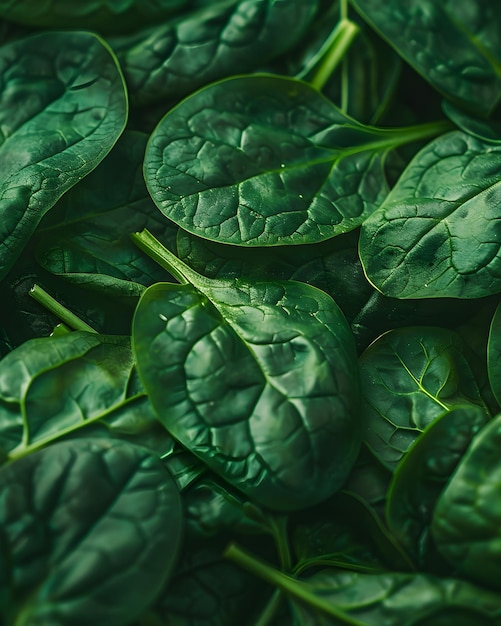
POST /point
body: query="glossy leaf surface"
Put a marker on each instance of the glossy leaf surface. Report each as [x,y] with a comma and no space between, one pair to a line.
[436,234]
[259,380]
[466,520]
[454,44]
[411,376]
[423,473]
[77,384]
[84,524]
[62,108]
[221,39]
[85,237]
[263,160]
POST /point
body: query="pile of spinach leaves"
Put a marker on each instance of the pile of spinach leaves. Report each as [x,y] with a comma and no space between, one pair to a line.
[250,327]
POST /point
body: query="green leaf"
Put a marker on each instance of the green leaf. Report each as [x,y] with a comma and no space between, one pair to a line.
[224,38]
[89,533]
[494,354]
[467,517]
[410,377]
[85,237]
[259,379]
[454,44]
[423,473]
[60,114]
[103,15]
[76,384]
[265,161]
[436,233]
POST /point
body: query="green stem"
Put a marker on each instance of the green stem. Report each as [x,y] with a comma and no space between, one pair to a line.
[270,610]
[287,584]
[337,46]
[149,244]
[60,311]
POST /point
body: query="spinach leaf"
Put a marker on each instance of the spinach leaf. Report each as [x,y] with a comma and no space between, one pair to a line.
[83,525]
[435,235]
[466,519]
[454,44]
[259,379]
[494,354]
[411,376]
[265,161]
[224,38]
[76,384]
[421,476]
[85,237]
[61,111]
[103,15]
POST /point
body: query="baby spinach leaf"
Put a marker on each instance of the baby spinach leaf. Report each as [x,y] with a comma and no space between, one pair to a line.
[259,379]
[265,161]
[494,354]
[435,235]
[85,237]
[76,384]
[104,15]
[466,519]
[83,525]
[411,376]
[221,39]
[454,44]
[62,107]
[423,473]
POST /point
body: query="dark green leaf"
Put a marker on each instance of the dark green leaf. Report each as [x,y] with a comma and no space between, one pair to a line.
[85,525]
[436,234]
[410,377]
[104,15]
[494,355]
[86,236]
[422,475]
[76,384]
[259,380]
[467,516]
[265,161]
[224,38]
[62,108]
[454,44]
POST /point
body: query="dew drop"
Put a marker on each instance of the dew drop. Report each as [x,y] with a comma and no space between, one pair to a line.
[162,317]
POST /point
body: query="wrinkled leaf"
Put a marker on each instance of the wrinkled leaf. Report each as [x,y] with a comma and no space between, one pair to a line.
[411,376]
[224,38]
[61,111]
[494,355]
[466,519]
[263,161]
[423,473]
[436,234]
[454,44]
[258,379]
[83,525]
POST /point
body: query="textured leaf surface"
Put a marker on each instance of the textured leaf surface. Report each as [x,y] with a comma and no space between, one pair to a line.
[83,525]
[62,108]
[259,380]
[78,384]
[494,355]
[227,37]
[437,232]
[104,15]
[454,44]
[410,377]
[85,237]
[422,475]
[263,161]
[467,516]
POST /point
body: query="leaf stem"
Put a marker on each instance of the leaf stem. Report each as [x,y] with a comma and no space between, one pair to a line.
[336,47]
[60,311]
[286,583]
[149,244]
